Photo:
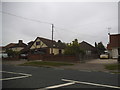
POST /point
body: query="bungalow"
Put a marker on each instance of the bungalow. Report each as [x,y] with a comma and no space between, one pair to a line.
[87,48]
[2,52]
[16,46]
[113,45]
[44,46]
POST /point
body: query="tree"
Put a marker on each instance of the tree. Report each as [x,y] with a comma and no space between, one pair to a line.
[100,48]
[73,48]
[96,48]
[12,53]
[95,45]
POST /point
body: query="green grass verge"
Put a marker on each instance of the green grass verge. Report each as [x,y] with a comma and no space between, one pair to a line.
[112,67]
[45,63]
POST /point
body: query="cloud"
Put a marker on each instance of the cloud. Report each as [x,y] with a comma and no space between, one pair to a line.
[83,20]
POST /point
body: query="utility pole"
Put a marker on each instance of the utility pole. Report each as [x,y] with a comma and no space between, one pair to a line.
[109,33]
[109,30]
[52,39]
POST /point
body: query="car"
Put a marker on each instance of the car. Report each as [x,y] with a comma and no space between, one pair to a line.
[104,56]
[23,56]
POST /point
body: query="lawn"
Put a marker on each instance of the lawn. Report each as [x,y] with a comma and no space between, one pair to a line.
[45,63]
[112,67]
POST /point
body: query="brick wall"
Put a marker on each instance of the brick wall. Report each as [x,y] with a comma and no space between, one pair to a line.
[35,57]
[11,58]
[51,57]
[60,57]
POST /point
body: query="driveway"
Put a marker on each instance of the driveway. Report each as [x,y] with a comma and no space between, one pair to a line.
[92,65]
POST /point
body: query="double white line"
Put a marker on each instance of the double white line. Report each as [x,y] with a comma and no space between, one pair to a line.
[23,75]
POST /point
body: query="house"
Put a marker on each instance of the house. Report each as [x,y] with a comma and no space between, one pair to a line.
[16,46]
[2,51]
[113,45]
[44,46]
[87,48]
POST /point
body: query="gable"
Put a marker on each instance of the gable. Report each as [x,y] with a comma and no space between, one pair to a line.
[86,46]
[38,44]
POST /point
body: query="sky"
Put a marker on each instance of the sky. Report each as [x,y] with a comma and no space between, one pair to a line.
[85,21]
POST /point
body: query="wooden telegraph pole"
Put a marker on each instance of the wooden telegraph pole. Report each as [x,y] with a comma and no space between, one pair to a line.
[52,39]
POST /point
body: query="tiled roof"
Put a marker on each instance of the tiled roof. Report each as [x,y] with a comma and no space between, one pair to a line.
[13,45]
[114,41]
[10,45]
[86,46]
[28,46]
[48,42]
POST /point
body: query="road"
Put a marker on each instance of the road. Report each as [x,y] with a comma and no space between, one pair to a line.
[47,78]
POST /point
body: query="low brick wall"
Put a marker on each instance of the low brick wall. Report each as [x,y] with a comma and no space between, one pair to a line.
[35,57]
[60,58]
[52,57]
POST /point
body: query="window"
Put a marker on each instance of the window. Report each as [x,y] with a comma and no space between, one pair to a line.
[38,43]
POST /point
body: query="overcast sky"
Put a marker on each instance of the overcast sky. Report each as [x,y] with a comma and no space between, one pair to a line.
[86,21]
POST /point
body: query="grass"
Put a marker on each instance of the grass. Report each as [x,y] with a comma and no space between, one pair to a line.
[45,63]
[112,67]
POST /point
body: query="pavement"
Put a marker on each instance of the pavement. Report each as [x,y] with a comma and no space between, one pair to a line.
[91,65]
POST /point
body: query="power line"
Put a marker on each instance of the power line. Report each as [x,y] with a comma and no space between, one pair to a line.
[25,18]
[59,34]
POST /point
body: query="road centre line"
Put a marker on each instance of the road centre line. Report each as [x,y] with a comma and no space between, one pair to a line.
[88,83]
[25,75]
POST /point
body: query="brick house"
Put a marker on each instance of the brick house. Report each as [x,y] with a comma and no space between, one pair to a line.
[113,45]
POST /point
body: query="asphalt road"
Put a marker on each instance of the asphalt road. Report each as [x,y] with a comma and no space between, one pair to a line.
[46,78]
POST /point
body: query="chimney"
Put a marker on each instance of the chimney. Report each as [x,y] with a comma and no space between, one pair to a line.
[20,42]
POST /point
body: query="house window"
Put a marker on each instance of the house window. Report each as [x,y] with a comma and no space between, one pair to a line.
[38,43]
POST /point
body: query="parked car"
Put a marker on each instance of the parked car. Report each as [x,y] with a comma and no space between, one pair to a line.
[104,56]
[23,56]
[3,55]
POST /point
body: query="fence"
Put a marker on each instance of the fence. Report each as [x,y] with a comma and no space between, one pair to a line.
[61,57]
[64,58]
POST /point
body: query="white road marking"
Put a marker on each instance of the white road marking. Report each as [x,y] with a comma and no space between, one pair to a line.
[91,83]
[25,75]
[60,85]
[16,73]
